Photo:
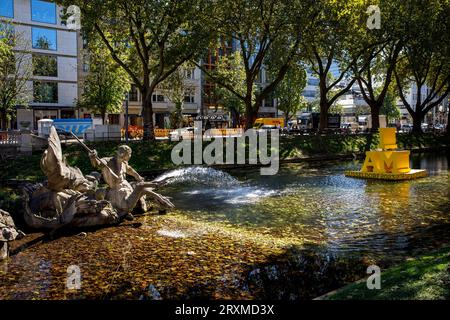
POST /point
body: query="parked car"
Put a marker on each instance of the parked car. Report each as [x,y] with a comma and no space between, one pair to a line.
[406,128]
[437,127]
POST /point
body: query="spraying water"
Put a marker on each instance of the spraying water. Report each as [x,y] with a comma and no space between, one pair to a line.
[204,187]
[199,176]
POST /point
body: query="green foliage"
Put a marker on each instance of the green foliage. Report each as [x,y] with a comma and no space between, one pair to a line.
[231,69]
[289,92]
[424,59]
[422,278]
[15,71]
[389,107]
[267,33]
[149,39]
[336,29]
[176,87]
[106,84]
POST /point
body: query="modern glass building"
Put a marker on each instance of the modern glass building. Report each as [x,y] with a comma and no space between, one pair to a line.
[53,88]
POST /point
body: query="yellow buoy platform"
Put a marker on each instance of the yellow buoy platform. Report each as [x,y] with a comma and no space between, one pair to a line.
[412,174]
[387,163]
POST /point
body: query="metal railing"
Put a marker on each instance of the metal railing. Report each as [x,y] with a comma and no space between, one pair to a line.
[9,138]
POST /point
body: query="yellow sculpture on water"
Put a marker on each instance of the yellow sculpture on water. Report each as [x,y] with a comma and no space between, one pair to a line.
[387,163]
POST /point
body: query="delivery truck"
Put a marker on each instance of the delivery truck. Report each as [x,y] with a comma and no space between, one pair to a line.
[277,122]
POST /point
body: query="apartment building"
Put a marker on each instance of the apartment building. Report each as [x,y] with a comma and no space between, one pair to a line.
[52,50]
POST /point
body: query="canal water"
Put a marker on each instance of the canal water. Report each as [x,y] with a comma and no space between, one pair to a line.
[316,204]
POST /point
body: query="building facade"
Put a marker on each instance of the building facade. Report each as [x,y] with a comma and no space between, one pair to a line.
[53,52]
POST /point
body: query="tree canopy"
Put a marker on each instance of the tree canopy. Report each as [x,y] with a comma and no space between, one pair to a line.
[106,84]
[149,39]
[15,71]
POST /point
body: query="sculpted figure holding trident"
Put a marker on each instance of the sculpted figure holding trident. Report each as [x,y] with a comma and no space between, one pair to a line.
[122,195]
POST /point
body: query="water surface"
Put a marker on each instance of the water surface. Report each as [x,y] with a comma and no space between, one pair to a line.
[316,203]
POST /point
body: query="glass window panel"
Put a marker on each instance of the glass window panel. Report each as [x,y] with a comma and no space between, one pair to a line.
[44,65]
[44,38]
[43,11]
[7,8]
[133,95]
[46,92]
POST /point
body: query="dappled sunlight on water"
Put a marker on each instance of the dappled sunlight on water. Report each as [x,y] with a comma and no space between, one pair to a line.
[318,204]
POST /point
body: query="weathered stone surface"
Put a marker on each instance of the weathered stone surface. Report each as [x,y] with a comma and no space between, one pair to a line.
[69,198]
[8,230]
[124,196]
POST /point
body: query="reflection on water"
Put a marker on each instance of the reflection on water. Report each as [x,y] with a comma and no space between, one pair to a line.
[318,204]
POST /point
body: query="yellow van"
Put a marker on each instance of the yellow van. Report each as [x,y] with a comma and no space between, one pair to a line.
[278,122]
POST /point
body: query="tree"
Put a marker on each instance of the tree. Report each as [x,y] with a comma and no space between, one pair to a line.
[15,71]
[377,62]
[361,110]
[149,39]
[230,68]
[424,69]
[389,107]
[289,92]
[337,109]
[327,46]
[176,88]
[260,30]
[106,84]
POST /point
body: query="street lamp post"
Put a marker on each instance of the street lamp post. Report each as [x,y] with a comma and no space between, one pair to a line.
[127,98]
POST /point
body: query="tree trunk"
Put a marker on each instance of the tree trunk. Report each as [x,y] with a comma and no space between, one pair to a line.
[448,121]
[417,122]
[375,117]
[147,114]
[4,123]
[234,118]
[103,118]
[250,114]
[323,123]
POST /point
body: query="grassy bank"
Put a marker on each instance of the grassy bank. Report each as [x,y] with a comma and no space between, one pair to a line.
[155,157]
[424,278]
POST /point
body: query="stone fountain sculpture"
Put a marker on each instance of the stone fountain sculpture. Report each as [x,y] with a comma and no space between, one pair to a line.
[8,232]
[69,198]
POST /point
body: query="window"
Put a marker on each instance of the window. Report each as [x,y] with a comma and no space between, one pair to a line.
[158,98]
[114,118]
[189,98]
[313,82]
[45,65]
[133,95]
[268,103]
[309,93]
[43,11]
[84,39]
[67,114]
[7,8]
[7,31]
[44,38]
[45,92]
[189,74]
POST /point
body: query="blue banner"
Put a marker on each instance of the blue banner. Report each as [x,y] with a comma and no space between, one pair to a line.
[77,126]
